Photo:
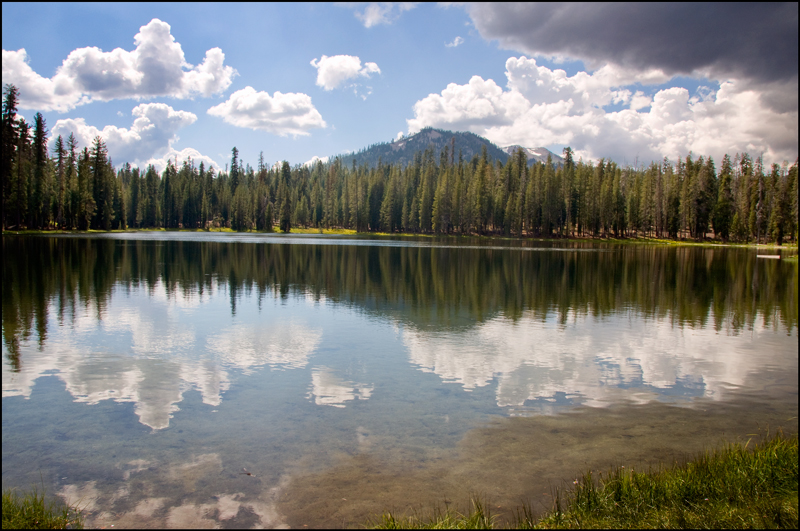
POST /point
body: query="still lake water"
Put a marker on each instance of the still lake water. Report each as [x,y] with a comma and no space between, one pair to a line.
[144,373]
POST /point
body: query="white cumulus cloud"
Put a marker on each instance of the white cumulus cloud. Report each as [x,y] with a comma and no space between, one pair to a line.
[279,114]
[478,105]
[456,42]
[148,140]
[640,101]
[155,67]
[333,71]
[179,156]
[383,12]
[541,107]
[310,163]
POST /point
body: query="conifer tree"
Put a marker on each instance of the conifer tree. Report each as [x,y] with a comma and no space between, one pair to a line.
[11,133]
[330,195]
[239,218]
[20,171]
[674,186]
[427,190]
[301,212]
[234,173]
[757,192]
[102,186]
[722,217]
[442,207]
[133,199]
[87,206]
[317,202]
[388,203]
[567,189]
[532,200]
[118,220]
[39,198]
[688,192]
[375,191]
[286,202]
[459,193]
[354,203]
[480,194]
[61,156]
[72,199]
[618,198]
[780,215]
[742,183]
[704,196]
[792,185]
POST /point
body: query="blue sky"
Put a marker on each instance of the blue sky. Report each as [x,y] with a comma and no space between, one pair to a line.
[383,69]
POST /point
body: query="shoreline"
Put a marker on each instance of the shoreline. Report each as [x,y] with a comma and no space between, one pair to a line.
[636,240]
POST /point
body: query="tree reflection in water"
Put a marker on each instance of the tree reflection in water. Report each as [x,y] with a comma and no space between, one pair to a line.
[438,286]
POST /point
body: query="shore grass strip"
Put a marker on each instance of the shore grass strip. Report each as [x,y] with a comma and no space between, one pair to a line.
[735,487]
[477,517]
[32,511]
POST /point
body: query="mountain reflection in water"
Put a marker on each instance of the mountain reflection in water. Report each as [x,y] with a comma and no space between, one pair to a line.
[287,355]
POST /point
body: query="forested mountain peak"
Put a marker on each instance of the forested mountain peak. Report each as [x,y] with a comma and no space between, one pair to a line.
[538,154]
[403,150]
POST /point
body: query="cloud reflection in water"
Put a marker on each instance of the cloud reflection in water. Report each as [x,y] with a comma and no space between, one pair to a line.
[596,360]
[327,389]
[147,351]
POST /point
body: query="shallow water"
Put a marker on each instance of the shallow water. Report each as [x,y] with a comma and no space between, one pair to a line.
[147,374]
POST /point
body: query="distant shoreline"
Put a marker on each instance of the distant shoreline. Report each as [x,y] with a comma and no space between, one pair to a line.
[377,235]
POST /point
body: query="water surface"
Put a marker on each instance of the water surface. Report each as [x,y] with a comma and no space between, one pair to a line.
[143,373]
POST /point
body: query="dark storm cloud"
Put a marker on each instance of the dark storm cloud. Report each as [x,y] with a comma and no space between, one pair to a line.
[756,41]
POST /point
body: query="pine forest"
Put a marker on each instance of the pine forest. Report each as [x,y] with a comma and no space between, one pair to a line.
[77,187]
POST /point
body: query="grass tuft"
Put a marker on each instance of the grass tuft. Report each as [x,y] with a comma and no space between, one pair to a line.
[477,516]
[733,487]
[32,511]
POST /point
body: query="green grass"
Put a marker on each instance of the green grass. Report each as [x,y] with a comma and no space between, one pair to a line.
[477,517]
[31,511]
[312,230]
[737,486]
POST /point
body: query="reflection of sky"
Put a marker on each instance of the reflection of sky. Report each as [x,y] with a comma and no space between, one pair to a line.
[328,389]
[147,511]
[596,360]
[279,345]
[152,346]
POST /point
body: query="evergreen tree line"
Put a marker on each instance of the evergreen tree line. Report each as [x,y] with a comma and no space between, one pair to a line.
[70,188]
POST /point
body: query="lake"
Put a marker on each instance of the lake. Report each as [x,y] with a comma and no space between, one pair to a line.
[255,380]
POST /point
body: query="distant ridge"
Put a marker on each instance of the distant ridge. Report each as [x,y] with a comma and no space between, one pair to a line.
[403,150]
[538,154]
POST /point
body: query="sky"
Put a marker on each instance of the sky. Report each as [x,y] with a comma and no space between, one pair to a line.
[296,82]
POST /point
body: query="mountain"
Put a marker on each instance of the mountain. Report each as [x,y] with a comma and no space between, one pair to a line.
[538,154]
[469,144]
